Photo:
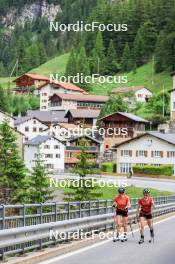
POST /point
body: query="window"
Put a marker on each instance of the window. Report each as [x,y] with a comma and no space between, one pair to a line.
[174,105]
[34,129]
[157,154]
[170,154]
[44,94]
[26,138]
[58,156]
[141,153]
[44,101]
[43,107]
[40,129]
[125,167]
[57,147]
[34,121]
[26,129]
[68,155]
[49,156]
[46,147]
[50,166]
[126,153]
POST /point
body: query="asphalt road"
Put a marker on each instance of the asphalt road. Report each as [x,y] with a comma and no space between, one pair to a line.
[160,184]
[130,252]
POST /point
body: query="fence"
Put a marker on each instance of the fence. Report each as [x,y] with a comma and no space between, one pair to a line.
[12,216]
[22,239]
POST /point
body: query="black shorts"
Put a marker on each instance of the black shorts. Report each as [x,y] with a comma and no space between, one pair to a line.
[122,213]
[147,216]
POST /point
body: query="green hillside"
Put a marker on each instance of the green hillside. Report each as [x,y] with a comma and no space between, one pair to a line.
[56,65]
[143,76]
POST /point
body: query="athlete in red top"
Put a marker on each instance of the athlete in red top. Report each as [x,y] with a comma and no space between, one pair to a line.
[144,211]
[121,203]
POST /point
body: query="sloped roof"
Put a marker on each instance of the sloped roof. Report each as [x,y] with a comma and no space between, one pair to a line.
[33,76]
[85,136]
[167,137]
[48,116]
[128,115]
[82,97]
[129,89]
[39,140]
[83,113]
[65,85]
[7,114]
[23,119]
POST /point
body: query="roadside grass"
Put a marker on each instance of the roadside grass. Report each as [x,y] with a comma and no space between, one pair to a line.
[109,192]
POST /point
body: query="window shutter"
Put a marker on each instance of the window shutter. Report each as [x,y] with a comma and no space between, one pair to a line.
[152,153]
[161,154]
[146,153]
[121,152]
[137,153]
[130,153]
[168,154]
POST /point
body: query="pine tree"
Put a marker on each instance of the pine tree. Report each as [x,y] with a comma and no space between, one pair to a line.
[83,66]
[138,50]
[2,69]
[71,67]
[111,61]
[98,56]
[149,36]
[85,189]
[126,64]
[40,191]
[12,169]
[42,53]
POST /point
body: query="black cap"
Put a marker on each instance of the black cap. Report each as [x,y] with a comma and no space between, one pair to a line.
[121,190]
[146,191]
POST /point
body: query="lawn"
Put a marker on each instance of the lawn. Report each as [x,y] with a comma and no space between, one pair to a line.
[144,76]
[108,193]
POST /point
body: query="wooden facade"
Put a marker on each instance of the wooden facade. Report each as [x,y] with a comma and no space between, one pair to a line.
[124,128]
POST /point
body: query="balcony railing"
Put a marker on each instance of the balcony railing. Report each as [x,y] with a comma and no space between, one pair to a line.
[78,148]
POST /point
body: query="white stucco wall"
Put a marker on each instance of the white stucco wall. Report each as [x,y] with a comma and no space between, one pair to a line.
[144,94]
[30,151]
[31,124]
[172,103]
[49,90]
[146,143]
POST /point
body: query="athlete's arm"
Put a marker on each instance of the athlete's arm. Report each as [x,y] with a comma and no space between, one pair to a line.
[137,210]
[129,203]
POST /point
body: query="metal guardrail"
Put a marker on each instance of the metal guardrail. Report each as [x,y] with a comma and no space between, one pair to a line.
[12,216]
[19,240]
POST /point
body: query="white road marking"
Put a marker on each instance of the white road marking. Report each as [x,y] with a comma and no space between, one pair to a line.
[94,246]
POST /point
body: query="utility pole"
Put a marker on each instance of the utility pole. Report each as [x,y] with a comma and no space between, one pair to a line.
[15,67]
[153,62]
[163,110]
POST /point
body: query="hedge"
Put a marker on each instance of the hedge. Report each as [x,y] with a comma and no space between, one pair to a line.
[154,170]
[108,167]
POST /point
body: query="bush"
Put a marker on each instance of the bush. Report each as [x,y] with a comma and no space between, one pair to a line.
[108,167]
[154,170]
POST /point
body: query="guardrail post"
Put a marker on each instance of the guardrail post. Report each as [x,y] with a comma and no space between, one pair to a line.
[55,211]
[89,208]
[68,210]
[106,209]
[41,221]
[98,207]
[2,216]
[2,226]
[79,209]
